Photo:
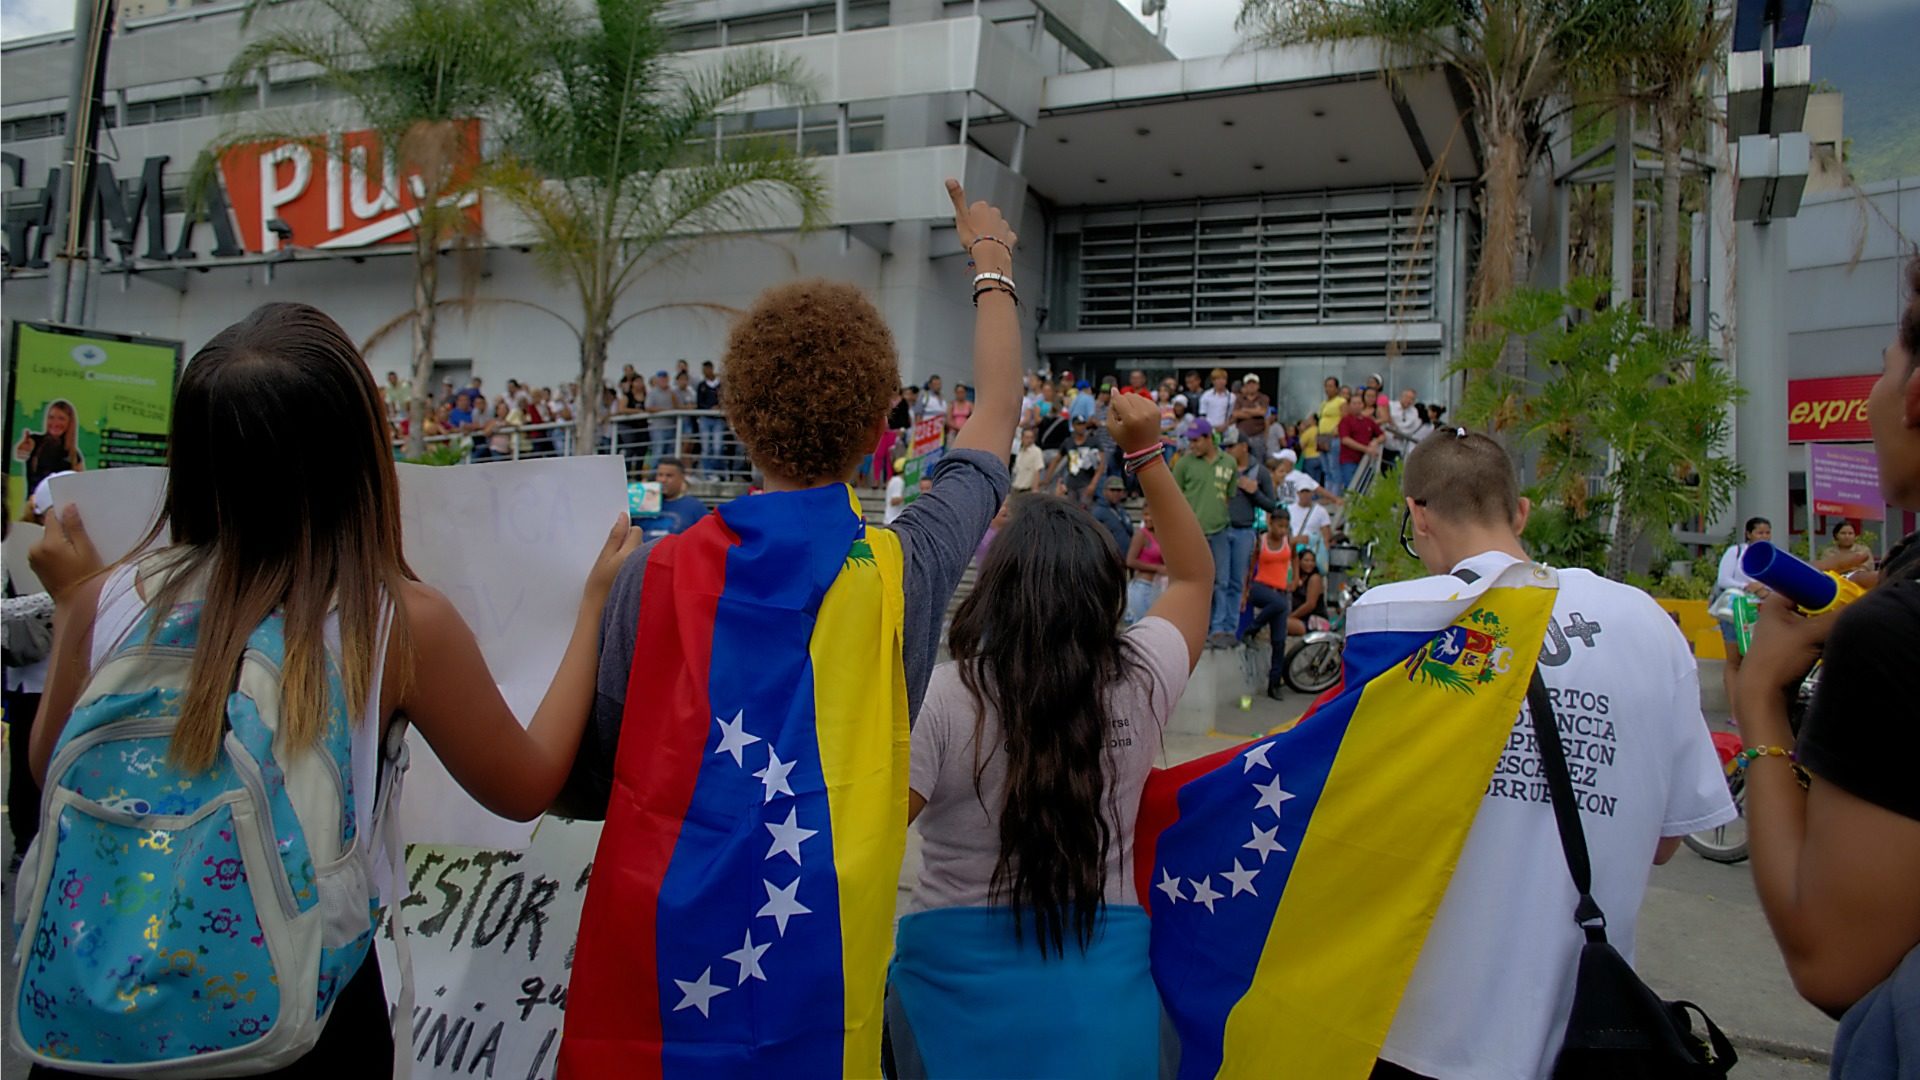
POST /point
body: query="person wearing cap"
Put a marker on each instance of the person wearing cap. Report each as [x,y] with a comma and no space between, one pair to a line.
[1080,466]
[1206,477]
[1217,403]
[1252,490]
[1289,480]
[1250,412]
[1112,516]
[1082,409]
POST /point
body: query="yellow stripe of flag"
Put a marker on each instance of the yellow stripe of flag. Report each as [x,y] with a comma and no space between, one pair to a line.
[1359,901]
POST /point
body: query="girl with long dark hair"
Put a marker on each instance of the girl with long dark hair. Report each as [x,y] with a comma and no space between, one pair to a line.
[284,511]
[1026,953]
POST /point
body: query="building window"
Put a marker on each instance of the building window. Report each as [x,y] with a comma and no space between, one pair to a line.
[162,110]
[866,126]
[47,126]
[820,131]
[867,14]
[1245,264]
[787,24]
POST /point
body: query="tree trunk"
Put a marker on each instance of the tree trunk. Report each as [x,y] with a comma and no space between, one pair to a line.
[593,380]
[426,295]
[1666,281]
[1620,548]
[1506,240]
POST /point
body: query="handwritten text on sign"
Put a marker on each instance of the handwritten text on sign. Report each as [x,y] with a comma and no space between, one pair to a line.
[492,935]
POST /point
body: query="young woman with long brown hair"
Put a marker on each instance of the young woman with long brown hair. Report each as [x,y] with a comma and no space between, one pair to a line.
[1026,952]
[282,500]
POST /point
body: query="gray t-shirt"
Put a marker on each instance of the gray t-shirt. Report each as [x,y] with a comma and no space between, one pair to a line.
[960,826]
[938,534]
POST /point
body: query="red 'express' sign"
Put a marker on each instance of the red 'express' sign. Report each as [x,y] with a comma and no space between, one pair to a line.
[1829,410]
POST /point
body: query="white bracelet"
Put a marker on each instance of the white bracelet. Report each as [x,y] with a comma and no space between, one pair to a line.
[991,276]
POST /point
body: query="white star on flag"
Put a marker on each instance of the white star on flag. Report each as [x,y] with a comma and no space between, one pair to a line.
[699,993]
[774,776]
[788,836]
[1263,842]
[748,957]
[1169,885]
[782,905]
[1240,879]
[734,737]
[1257,754]
[1271,796]
[1203,892]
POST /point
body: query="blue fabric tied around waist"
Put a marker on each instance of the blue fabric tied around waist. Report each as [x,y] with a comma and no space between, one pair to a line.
[969,1000]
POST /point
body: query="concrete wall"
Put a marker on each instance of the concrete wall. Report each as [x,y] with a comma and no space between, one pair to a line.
[1845,254]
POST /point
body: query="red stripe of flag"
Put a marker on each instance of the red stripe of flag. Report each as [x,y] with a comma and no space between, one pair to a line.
[613,1005]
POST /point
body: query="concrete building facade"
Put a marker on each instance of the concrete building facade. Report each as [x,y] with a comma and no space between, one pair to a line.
[1282,211]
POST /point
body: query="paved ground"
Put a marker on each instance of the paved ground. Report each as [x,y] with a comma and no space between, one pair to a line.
[1702,936]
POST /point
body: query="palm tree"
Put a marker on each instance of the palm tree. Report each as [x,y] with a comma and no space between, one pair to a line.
[419,74]
[1681,40]
[613,157]
[1518,60]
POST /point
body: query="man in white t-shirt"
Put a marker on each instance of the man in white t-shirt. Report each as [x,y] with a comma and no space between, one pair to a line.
[1289,480]
[1217,403]
[1493,988]
[1310,523]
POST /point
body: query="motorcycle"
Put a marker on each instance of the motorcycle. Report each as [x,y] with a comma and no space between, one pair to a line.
[1313,663]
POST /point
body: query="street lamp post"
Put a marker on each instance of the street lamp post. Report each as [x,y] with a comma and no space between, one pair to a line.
[1768,73]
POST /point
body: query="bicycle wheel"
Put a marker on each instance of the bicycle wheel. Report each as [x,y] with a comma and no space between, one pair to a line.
[1728,843]
[1314,667]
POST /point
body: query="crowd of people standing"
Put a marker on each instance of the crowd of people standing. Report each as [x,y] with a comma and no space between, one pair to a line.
[1025,949]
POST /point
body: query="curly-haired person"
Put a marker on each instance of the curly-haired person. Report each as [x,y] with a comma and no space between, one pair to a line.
[738,633]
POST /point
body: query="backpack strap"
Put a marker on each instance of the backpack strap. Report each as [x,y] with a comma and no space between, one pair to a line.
[386,824]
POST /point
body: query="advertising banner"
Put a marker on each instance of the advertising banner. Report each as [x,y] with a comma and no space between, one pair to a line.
[79,400]
[1829,410]
[1844,481]
[335,191]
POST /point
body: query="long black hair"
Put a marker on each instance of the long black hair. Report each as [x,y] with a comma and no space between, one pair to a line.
[1039,643]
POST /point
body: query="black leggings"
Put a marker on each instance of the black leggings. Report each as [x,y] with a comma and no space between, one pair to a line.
[357,1042]
[23,795]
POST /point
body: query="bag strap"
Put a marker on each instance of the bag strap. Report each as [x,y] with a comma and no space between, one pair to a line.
[1566,812]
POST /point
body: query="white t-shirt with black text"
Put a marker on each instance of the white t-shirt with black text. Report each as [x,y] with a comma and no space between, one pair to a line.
[1492,991]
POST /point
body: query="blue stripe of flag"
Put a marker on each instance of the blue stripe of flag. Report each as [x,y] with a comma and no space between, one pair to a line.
[1205,961]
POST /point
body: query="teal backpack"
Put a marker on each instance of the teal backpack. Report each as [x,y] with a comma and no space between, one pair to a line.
[192,924]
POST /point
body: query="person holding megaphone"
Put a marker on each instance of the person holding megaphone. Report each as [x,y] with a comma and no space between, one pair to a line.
[1834,815]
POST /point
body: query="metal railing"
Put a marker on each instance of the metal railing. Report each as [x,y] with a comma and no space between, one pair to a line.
[699,437]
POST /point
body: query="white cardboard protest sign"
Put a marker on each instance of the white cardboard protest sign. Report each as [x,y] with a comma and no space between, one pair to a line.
[510,544]
[117,506]
[492,936]
[20,540]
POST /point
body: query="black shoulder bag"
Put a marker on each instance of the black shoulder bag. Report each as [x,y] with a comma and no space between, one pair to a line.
[1620,1029]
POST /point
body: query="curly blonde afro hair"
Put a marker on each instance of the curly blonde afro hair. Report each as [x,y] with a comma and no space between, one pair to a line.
[810,371]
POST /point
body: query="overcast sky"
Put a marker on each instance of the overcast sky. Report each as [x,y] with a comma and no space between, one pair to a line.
[1194,27]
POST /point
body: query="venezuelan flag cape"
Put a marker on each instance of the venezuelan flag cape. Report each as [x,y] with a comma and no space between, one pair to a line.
[1291,881]
[739,919]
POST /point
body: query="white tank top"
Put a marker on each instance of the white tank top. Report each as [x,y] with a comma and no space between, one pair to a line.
[121,607]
